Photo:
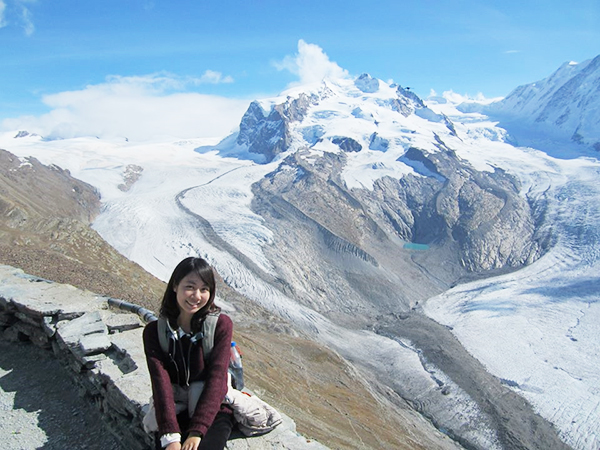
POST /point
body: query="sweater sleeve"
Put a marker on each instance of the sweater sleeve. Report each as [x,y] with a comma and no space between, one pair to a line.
[162,391]
[215,387]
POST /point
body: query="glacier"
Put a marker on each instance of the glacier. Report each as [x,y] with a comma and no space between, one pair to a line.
[538,327]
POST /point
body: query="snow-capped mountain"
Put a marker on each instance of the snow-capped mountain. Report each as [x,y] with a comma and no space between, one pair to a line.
[351,207]
[564,106]
[300,119]
[355,137]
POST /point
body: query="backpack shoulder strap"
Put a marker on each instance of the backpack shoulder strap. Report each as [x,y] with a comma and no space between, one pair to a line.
[163,331]
[208,331]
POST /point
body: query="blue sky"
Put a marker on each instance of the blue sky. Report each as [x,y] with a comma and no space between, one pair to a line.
[57,53]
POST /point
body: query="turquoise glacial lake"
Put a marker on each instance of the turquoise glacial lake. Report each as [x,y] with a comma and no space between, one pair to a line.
[413,246]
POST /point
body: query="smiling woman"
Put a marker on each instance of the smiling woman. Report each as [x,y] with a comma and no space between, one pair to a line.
[189,386]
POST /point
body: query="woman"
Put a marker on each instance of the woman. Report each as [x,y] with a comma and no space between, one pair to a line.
[181,374]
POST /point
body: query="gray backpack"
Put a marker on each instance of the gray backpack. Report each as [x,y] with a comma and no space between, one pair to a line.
[207,335]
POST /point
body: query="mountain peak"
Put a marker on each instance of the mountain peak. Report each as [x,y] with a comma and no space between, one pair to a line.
[564,105]
[367,84]
[331,115]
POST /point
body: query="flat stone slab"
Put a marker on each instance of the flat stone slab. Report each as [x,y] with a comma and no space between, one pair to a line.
[72,331]
[38,298]
[129,343]
[119,322]
[92,344]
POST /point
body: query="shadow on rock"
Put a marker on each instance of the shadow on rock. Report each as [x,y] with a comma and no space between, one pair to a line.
[41,385]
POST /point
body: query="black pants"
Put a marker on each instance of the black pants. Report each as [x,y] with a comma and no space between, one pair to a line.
[216,436]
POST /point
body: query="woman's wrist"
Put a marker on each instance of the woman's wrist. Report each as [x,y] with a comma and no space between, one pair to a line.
[169,438]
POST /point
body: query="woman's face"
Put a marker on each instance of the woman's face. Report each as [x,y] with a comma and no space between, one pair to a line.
[192,294]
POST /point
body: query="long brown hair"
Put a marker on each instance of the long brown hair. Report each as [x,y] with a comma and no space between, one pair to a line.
[169,309]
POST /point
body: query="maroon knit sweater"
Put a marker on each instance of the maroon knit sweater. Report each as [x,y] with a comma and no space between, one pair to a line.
[165,370]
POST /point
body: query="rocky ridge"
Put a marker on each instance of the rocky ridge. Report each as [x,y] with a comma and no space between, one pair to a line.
[460,221]
[366,277]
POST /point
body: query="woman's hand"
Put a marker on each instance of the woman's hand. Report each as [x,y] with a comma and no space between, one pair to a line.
[191,443]
[174,446]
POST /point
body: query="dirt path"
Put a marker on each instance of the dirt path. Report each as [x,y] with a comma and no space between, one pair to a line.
[40,407]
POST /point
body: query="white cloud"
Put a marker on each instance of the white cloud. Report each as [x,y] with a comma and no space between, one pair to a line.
[140,108]
[23,15]
[456,99]
[27,23]
[3,22]
[311,64]
[212,77]
[163,82]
